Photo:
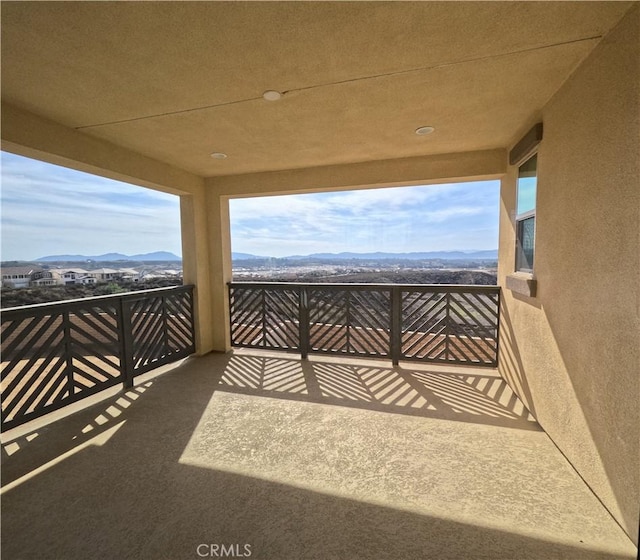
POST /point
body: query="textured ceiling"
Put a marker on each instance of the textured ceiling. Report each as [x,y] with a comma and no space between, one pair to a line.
[179,80]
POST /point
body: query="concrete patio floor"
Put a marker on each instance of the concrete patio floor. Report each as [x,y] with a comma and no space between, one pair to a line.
[325,459]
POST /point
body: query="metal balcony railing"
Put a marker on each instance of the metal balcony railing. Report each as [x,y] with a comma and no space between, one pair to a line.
[54,354]
[434,323]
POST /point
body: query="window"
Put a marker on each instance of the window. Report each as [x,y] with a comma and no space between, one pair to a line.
[526,214]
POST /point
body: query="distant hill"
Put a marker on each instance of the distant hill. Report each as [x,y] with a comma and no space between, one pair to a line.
[156,256]
[445,255]
[166,256]
[245,257]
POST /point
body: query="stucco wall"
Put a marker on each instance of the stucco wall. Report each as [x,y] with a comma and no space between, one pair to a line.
[573,351]
[442,168]
[33,136]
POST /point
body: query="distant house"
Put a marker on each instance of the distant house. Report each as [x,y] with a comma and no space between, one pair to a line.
[95,276]
[74,276]
[18,276]
[46,278]
[130,274]
[105,274]
[26,276]
[30,276]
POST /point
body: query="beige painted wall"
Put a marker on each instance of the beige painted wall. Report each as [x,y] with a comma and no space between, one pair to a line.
[30,135]
[442,168]
[573,351]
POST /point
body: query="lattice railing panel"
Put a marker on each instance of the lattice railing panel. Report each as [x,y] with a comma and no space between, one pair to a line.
[473,328]
[180,322]
[94,347]
[424,321]
[349,320]
[246,316]
[265,317]
[328,321]
[370,322]
[51,358]
[162,330]
[55,354]
[449,324]
[147,328]
[281,325]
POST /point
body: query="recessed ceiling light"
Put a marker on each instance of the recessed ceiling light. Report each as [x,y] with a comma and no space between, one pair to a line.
[218,155]
[271,95]
[424,130]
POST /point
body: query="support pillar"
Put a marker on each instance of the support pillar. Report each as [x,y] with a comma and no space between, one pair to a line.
[195,265]
[220,268]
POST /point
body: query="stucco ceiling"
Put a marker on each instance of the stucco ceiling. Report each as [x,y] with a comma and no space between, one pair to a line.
[178,80]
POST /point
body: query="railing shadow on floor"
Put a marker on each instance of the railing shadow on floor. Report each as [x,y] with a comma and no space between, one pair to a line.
[478,396]
[64,432]
[136,499]
[450,393]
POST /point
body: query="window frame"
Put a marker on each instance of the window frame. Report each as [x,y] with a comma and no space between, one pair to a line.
[525,216]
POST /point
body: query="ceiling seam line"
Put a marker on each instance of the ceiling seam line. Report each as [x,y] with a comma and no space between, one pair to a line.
[444,65]
[168,113]
[351,80]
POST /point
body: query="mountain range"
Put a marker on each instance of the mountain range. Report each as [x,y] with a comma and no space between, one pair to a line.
[444,255]
[157,256]
[166,256]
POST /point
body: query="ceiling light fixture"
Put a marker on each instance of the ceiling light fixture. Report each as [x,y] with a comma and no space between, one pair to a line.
[218,155]
[424,130]
[271,95]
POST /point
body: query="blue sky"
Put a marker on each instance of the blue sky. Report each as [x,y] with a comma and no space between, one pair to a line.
[51,210]
[461,216]
[47,210]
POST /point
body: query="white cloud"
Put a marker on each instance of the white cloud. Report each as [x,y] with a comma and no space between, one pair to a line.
[393,219]
[51,210]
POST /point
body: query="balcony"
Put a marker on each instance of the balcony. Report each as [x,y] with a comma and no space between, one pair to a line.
[190,459]
[343,454]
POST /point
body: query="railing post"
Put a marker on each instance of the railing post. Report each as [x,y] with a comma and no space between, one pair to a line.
[303,319]
[66,322]
[495,363]
[165,326]
[396,324]
[126,356]
[348,318]
[447,326]
[264,317]
[231,312]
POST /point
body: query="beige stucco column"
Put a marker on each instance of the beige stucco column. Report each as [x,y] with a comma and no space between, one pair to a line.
[220,268]
[206,262]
